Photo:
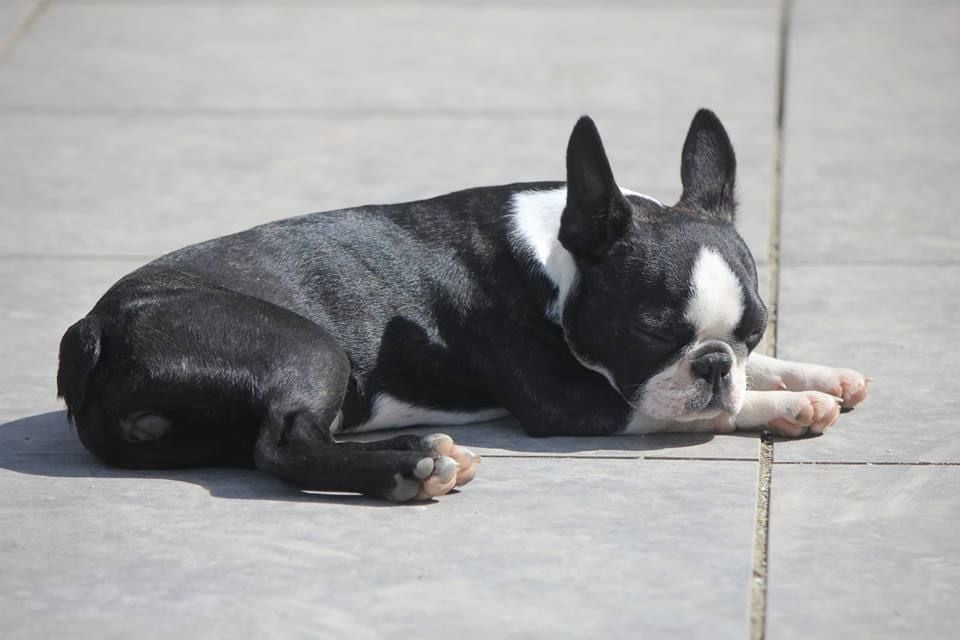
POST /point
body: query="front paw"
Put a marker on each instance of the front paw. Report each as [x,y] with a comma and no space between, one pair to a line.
[789,413]
[848,385]
[854,387]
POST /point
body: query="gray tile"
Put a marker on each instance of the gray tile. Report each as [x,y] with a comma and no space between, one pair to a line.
[41,298]
[13,14]
[872,138]
[390,57]
[148,184]
[465,4]
[533,548]
[48,295]
[895,57]
[864,552]
[896,323]
[873,187]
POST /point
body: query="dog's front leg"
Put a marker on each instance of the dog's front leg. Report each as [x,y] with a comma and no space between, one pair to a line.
[772,374]
[794,398]
[786,413]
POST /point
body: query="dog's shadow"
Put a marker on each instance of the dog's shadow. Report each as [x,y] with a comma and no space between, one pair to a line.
[46,445]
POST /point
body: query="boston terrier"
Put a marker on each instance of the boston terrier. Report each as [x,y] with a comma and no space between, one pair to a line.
[578,308]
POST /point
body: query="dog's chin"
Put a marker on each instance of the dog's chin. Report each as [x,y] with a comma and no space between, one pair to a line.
[709,408]
[706,414]
[712,407]
[672,396]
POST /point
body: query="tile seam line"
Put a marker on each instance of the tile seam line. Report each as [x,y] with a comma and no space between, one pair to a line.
[116,256]
[547,456]
[786,463]
[407,4]
[40,111]
[892,264]
[7,44]
[757,611]
[861,463]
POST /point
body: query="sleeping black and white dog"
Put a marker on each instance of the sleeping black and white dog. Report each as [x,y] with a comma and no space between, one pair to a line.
[579,308]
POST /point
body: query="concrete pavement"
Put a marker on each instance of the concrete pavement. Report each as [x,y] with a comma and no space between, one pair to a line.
[130,128]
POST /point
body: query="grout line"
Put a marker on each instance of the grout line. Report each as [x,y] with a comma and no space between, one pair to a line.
[761,540]
[884,463]
[546,456]
[6,44]
[99,257]
[761,532]
[329,112]
[701,458]
[873,262]
[892,263]
[504,456]
[561,5]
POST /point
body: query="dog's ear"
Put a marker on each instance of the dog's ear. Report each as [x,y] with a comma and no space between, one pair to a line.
[596,214]
[708,169]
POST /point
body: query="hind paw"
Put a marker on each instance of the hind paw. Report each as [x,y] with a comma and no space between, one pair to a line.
[467,461]
[448,466]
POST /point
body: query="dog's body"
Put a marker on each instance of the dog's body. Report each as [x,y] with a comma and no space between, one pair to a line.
[577,307]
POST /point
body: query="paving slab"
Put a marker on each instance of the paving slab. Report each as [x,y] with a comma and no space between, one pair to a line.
[534,548]
[41,298]
[393,57]
[872,139]
[48,295]
[863,552]
[13,14]
[147,185]
[872,188]
[897,57]
[896,323]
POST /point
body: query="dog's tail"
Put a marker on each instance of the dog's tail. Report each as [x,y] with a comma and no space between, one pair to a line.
[80,351]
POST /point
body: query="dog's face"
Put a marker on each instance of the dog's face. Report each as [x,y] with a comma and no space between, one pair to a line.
[665,302]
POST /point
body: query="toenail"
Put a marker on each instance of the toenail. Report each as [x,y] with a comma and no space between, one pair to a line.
[424,468]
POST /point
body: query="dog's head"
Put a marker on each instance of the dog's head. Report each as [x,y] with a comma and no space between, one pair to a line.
[664,302]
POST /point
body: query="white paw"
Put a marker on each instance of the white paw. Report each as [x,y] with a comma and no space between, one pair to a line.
[789,413]
[467,461]
[769,374]
[848,385]
[448,466]
[437,477]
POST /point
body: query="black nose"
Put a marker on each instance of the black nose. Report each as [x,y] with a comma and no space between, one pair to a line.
[712,366]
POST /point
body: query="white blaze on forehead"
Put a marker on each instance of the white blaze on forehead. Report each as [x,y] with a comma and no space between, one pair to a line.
[716,297]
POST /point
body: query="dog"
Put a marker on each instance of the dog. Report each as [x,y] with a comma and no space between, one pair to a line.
[578,307]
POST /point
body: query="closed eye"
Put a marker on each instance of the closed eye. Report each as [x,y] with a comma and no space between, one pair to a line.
[662,338]
[753,338]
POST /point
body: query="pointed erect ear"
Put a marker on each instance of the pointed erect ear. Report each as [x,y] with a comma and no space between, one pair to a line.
[708,169]
[596,214]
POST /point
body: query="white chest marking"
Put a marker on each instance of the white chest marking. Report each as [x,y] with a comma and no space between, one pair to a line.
[536,230]
[715,305]
[389,412]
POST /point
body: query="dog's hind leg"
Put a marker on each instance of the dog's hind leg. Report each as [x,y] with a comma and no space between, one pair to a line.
[177,376]
[294,446]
